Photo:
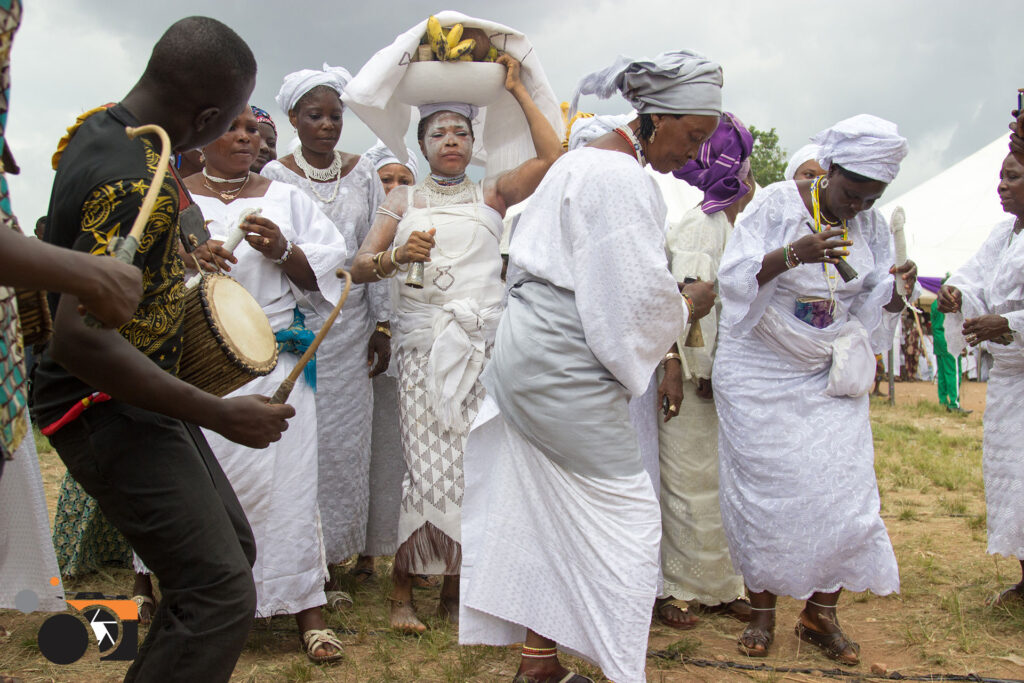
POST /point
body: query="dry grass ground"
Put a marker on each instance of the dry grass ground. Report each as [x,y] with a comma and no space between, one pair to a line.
[929,471]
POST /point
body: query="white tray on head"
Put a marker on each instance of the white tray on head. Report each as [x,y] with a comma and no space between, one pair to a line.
[476,83]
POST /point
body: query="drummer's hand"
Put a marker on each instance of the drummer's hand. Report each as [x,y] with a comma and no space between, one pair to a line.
[108,289]
[417,248]
[213,257]
[950,299]
[512,66]
[265,237]
[985,328]
[252,421]
[671,387]
[379,347]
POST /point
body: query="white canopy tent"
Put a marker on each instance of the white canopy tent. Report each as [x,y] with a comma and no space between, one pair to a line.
[951,214]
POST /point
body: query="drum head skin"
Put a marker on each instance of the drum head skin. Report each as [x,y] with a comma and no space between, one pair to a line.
[240,321]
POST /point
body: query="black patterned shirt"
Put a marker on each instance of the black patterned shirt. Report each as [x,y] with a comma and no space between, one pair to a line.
[98,190]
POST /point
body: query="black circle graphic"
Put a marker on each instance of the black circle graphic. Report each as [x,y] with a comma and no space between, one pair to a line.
[63,639]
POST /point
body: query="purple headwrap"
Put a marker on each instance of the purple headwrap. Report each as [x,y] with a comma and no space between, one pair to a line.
[720,164]
[262,116]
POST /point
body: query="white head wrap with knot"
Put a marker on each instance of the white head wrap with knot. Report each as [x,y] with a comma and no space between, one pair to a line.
[864,144]
[677,82]
[585,131]
[380,156]
[806,153]
[299,83]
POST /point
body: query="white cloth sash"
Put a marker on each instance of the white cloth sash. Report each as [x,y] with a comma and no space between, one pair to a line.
[456,337]
[843,346]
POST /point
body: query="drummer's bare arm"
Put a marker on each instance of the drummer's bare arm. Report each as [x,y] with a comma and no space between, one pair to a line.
[107,362]
[107,288]
[380,238]
[265,237]
[516,185]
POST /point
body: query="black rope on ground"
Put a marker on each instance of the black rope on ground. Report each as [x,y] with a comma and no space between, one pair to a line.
[827,673]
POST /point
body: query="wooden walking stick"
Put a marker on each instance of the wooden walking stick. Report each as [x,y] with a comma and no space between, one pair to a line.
[281,395]
[124,248]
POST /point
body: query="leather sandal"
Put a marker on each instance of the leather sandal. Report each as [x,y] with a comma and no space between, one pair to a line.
[570,677]
[141,601]
[832,645]
[758,636]
[1014,595]
[338,600]
[677,624]
[738,609]
[315,638]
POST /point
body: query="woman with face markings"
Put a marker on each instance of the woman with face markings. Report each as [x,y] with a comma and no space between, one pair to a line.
[444,328]
[358,347]
[795,362]
[984,302]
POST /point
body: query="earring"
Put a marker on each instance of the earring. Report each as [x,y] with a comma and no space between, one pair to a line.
[824,182]
[654,134]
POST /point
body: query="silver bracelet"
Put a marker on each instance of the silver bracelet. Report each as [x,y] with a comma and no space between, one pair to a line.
[388,212]
[289,246]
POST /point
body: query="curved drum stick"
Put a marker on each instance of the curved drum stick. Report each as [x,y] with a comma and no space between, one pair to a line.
[281,395]
[124,248]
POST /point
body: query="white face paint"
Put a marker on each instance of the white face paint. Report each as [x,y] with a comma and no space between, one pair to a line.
[447,144]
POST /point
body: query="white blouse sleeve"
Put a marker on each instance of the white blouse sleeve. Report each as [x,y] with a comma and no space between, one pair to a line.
[761,229]
[322,244]
[627,299]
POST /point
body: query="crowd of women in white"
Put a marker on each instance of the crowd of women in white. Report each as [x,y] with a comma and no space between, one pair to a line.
[500,443]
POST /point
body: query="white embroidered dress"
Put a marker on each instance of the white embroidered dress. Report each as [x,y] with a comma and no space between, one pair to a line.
[275,484]
[797,482]
[695,557]
[992,281]
[547,547]
[442,336]
[344,396]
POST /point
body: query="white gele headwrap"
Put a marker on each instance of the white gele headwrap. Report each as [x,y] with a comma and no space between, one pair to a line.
[585,131]
[864,144]
[676,82]
[299,83]
[808,152]
[502,133]
[380,156]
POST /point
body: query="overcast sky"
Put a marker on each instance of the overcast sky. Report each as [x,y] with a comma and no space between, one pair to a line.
[946,71]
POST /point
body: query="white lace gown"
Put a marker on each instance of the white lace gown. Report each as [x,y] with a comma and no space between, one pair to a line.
[797,483]
[275,485]
[695,557]
[570,555]
[344,395]
[992,281]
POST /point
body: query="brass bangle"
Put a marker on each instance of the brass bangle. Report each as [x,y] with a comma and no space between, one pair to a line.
[671,356]
[689,306]
[386,331]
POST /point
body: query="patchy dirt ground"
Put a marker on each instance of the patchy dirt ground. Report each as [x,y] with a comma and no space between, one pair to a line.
[929,470]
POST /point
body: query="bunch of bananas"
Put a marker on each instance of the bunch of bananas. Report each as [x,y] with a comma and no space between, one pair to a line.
[448,45]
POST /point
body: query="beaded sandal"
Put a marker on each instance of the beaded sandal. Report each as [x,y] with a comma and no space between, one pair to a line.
[316,638]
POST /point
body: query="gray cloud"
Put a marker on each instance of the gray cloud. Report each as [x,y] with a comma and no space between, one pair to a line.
[945,71]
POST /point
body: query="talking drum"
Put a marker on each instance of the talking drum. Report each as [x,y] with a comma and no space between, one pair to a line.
[34,312]
[228,339]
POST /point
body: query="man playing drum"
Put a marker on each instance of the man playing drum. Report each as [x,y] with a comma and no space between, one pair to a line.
[140,453]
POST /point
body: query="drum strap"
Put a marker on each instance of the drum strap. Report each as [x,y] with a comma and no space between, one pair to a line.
[73,412]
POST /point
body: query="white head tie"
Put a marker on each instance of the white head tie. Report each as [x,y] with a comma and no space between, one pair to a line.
[468,110]
[864,144]
[380,156]
[806,153]
[299,83]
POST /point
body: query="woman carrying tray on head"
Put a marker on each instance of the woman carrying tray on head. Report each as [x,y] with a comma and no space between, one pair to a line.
[346,188]
[444,331]
[291,250]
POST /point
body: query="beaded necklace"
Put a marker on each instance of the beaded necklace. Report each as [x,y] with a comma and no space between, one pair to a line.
[627,133]
[830,276]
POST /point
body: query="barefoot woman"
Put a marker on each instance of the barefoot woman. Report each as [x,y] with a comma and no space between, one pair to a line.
[444,330]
